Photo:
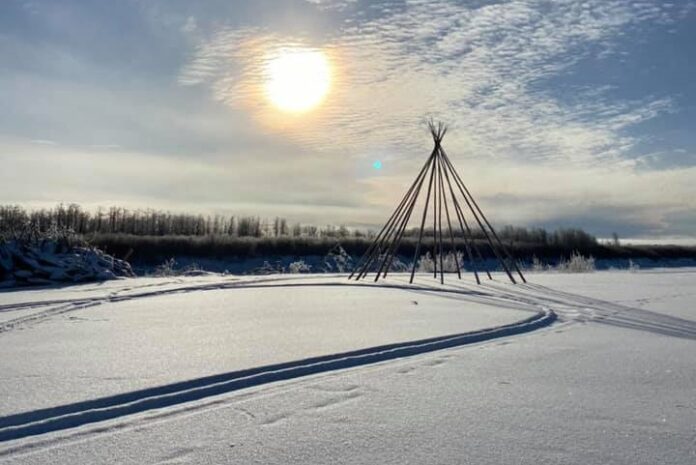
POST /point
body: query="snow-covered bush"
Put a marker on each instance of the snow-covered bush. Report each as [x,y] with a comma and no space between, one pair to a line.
[47,261]
[398,265]
[537,265]
[299,266]
[425,263]
[194,269]
[267,268]
[337,261]
[450,262]
[168,269]
[633,266]
[577,264]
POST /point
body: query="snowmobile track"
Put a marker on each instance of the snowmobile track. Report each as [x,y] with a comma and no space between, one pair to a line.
[68,416]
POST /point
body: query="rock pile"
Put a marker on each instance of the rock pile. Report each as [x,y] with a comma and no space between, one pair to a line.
[49,261]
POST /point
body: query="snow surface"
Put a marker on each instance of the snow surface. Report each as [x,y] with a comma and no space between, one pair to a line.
[613,381]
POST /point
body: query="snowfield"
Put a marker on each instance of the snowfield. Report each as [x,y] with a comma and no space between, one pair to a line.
[596,368]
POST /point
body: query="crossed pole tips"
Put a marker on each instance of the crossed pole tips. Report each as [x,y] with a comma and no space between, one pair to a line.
[443,181]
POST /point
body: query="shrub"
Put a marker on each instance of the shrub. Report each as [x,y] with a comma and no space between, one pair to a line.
[537,265]
[299,267]
[450,263]
[576,264]
[165,269]
[633,266]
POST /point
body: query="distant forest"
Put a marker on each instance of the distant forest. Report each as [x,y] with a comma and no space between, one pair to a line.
[15,220]
[150,237]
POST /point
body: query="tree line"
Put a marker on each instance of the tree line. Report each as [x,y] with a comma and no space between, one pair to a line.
[118,220]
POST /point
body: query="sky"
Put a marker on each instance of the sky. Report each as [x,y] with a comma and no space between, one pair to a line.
[561,113]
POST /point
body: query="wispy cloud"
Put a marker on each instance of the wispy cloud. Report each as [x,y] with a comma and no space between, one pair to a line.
[477,67]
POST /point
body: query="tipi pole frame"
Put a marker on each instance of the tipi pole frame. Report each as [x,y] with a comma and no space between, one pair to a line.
[381,253]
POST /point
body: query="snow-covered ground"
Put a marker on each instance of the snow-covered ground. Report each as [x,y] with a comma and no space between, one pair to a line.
[305,369]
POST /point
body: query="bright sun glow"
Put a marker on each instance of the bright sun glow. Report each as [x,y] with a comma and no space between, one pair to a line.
[297,80]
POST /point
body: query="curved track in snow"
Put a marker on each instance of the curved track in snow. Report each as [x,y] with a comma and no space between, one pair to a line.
[72,415]
[63,417]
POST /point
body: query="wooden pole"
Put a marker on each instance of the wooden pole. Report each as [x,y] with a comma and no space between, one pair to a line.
[439,223]
[449,223]
[435,224]
[425,212]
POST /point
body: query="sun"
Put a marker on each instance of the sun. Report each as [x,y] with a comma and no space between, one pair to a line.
[297,80]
